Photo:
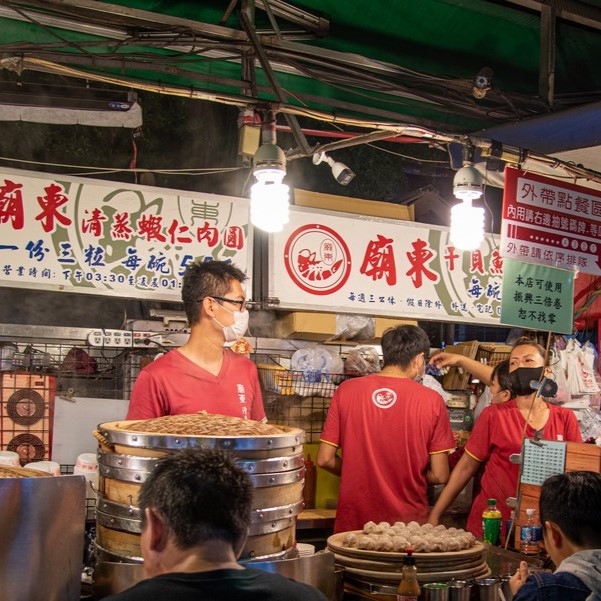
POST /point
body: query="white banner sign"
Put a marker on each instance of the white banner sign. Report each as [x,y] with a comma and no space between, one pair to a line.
[334,262]
[82,235]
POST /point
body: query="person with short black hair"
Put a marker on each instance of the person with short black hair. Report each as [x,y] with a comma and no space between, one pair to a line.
[571,521]
[394,433]
[196,506]
[203,375]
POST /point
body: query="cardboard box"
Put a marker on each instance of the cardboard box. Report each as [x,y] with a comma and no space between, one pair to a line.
[321,327]
[306,326]
[384,323]
[456,379]
[493,354]
[344,204]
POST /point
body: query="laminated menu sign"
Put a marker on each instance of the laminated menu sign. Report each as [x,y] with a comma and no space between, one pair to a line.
[324,260]
[81,235]
[551,222]
[537,297]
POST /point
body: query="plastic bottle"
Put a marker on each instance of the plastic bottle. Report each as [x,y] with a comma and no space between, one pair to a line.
[409,589]
[491,523]
[530,534]
[309,489]
[510,527]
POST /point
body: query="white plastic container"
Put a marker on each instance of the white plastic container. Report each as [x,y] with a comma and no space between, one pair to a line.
[87,465]
[52,467]
[10,458]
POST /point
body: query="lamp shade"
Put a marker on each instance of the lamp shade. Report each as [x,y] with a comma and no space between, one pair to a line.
[467,183]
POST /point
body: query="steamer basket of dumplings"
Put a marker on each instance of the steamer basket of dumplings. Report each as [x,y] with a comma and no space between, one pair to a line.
[372,558]
[271,455]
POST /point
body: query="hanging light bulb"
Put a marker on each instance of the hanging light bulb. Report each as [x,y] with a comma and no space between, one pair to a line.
[269,205]
[467,221]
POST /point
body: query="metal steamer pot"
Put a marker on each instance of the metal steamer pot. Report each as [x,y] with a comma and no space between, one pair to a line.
[125,459]
[317,570]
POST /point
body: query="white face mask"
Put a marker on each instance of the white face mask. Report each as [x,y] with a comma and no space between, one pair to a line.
[419,378]
[238,328]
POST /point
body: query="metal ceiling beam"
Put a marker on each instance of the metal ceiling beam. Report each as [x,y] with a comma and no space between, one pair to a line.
[297,132]
[548,37]
[569,10]
[293,14]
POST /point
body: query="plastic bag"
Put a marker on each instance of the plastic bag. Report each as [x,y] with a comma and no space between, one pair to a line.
[581,379]
[362,360]
[317,363]
[353,327]
[556,365]
[434,384]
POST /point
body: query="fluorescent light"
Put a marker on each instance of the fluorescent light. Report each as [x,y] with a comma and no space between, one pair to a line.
[269,197]
[467,221]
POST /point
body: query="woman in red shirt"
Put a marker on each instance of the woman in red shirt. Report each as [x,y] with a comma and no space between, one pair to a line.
[499,433]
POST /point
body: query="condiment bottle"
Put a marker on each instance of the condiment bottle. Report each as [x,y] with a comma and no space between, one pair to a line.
[409,589]
[510,527]
[530,534]
[309,488]
[491,523]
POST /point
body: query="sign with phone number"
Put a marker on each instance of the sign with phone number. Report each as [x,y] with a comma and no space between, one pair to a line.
[83,235]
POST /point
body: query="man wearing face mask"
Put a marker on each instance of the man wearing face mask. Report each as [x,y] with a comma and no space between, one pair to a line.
[394,434]
[203,374]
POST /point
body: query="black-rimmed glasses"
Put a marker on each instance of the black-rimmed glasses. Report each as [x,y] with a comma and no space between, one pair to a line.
[241,303]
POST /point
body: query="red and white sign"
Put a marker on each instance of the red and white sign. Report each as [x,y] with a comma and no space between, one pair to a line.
[550,222]
[330,261]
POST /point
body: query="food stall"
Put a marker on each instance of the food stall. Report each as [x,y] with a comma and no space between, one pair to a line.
[55,378]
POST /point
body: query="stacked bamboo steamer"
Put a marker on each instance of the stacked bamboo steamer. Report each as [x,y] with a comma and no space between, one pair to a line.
[127,454]
[384,568]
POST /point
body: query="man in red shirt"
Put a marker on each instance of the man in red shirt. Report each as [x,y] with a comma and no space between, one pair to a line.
[394,434]
[203,374]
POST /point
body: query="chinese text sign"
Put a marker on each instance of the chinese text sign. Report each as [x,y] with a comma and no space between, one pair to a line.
[537,297]
[550,222]
[83,235]
[334,262]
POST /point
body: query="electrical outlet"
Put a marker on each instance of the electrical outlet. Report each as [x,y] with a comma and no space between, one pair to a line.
[122,338]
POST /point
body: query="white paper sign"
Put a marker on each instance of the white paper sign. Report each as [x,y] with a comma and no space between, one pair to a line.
[334,262]
[84,235]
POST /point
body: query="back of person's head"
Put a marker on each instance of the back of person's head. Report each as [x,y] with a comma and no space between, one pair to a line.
[500,373]
[201,496]
[401,344]
[571,501]
[204,279]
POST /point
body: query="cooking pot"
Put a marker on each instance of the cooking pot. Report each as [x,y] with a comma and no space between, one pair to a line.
[316,570]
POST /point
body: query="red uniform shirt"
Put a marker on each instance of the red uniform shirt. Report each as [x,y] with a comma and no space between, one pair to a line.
[174,385]
[498,434]
[387,427]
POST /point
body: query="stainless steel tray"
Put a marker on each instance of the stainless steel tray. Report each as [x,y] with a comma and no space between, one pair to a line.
[116,433]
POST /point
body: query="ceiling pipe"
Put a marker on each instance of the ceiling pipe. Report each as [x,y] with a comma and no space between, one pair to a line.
[342,135]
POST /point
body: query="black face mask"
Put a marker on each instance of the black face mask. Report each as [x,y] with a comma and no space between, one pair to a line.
[521,377]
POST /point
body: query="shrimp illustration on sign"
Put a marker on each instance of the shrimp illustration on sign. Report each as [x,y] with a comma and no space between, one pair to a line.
[317,259]
[312,268]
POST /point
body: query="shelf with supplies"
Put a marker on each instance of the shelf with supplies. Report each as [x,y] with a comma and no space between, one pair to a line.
[298,399]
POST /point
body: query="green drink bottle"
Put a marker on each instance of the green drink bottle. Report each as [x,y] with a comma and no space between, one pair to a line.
[491,523]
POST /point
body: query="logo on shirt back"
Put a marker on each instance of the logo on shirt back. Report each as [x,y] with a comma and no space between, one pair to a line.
[384,398]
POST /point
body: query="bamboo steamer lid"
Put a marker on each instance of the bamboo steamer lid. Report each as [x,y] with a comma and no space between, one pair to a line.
[21,472]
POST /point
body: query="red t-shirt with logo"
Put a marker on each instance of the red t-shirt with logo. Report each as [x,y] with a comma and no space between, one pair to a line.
[498,434]
[174,385]
[386,427]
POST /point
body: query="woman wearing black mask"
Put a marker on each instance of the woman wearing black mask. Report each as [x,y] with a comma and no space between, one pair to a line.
[499,432]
